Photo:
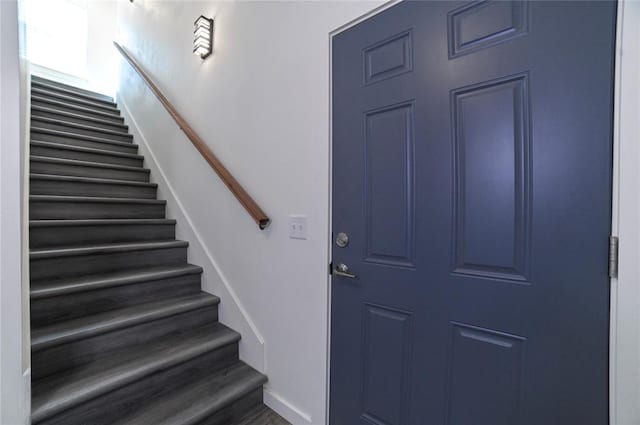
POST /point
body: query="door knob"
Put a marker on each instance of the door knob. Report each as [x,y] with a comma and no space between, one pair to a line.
[342,270]
[342,240]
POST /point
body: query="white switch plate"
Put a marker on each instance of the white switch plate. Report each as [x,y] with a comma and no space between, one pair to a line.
[297,227]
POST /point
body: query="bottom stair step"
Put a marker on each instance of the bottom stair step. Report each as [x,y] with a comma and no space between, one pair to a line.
[131,375]
[223,398]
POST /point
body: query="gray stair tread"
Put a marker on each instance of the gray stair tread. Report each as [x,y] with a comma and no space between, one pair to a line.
[97,324]
[35,176]
[62,146]
[71,124]
[36,108]
[71,135]
[35,254]
[86,163]
[54,394]
[83,199]
[194,403]
[89,103]
[58,287]
[100,222]
[43,84]
[114,114]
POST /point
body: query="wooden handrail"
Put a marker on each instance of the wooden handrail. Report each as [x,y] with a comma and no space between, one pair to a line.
[243,197]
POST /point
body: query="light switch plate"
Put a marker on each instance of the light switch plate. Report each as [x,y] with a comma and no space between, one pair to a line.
[297,226]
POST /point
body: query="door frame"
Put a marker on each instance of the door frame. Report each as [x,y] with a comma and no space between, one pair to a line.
[624,344]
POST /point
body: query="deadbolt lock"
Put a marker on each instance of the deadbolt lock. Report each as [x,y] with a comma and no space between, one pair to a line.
[342,240]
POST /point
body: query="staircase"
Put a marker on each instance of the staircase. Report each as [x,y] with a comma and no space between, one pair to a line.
[121,332]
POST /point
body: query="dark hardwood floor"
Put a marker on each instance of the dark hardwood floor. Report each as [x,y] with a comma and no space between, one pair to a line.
[263,416]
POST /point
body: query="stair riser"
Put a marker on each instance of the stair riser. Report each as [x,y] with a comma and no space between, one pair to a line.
[78,120]
[44,137]
[85,156]
[69,90]
[57,169]
[124,137]
[49,310]
[68,188]
[58,210]
[61,106]
[65,356]
[235,411]
[75,100]
[42,237]
[59,267]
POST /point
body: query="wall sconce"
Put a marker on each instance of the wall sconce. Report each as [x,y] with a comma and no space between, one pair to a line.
[203,37]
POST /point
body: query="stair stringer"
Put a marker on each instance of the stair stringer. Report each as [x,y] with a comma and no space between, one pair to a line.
[232,312]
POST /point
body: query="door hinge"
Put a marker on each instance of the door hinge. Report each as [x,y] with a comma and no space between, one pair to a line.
[331,268]
[613,256]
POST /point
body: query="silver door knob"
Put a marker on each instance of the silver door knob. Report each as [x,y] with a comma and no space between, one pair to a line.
[342,270]
[342,240]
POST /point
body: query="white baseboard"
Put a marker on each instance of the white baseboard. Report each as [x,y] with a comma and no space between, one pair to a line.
[238,318]
[285,409]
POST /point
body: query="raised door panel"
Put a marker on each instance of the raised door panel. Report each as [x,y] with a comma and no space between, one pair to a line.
[388,191]
[492,173]
[386,342]
[485,376]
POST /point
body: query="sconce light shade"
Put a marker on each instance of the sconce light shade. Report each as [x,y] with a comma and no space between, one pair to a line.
[203,37]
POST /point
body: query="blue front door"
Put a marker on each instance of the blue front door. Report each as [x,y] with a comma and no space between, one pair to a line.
[472,161]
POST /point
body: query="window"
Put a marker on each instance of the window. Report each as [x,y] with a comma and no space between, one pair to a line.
[56,33]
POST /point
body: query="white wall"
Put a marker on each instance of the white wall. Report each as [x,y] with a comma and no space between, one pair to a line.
[261,102]
[101,56]
[13,397]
